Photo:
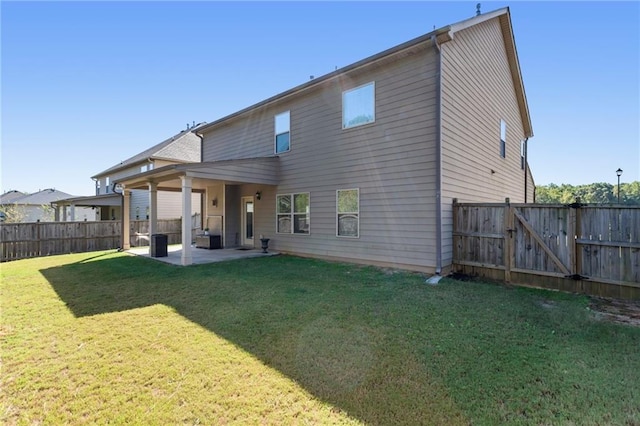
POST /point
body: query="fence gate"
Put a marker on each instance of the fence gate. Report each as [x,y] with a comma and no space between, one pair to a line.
[576,247]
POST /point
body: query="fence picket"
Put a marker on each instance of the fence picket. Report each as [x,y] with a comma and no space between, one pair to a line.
[593,249]
[25,240]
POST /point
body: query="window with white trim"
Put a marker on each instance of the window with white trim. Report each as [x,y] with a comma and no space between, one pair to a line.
[503,139]
[282,124]
[523,150]
[106,186]
[359,106]
[348,213]
[293,213]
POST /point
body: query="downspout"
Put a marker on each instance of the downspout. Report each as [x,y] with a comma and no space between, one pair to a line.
[526,167]
[434,40]
[203,198]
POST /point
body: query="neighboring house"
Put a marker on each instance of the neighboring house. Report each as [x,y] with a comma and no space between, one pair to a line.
[363,164]
[185,147]
[6,200]
[37,207]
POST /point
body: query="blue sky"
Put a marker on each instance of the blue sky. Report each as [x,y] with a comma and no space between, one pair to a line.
[88,84]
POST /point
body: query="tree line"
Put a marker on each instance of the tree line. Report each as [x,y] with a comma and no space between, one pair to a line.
[593,193]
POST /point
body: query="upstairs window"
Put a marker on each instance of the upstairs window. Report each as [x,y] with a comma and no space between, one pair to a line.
[106,186]
[348,213]
[283,134]
[523,156]
[293,213]
[503,139]
[359,106]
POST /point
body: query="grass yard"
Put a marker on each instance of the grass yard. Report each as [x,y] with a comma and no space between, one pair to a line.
[110,338]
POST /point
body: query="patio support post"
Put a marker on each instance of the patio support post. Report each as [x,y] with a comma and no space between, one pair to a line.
[153,211]
[64,214]
[186,220]
[57,213]
[73,212]
[126,217]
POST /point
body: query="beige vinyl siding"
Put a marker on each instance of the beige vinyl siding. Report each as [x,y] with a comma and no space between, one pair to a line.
[169,204]
[531,186]
[232,220]
[477,92]
[391,161]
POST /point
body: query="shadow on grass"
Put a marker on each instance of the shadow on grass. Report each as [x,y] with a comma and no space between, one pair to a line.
[383,347]
[329,327]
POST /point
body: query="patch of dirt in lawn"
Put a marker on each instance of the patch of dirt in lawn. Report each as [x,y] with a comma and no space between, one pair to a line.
[616,310]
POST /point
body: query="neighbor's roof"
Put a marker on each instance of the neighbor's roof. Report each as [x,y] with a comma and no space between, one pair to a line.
[183,147]
[9,196]
[442,34]
[111,199]
[44,196]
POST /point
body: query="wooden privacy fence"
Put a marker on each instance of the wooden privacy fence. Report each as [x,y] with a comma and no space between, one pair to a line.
[580,248]
[25,240]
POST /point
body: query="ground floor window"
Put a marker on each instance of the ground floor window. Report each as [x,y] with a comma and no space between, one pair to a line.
[348,213]
[293,213]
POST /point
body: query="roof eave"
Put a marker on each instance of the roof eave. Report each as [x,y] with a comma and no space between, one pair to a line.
[516,73]
[504,17]
[327,77]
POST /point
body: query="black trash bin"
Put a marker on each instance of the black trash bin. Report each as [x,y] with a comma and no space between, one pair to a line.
[159,245]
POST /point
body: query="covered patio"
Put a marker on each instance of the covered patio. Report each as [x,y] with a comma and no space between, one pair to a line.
[230,189]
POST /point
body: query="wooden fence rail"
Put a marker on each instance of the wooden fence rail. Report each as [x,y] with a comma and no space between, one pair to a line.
[25,240]
[581,248]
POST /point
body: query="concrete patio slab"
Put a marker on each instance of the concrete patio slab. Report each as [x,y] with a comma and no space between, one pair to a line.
[201,256]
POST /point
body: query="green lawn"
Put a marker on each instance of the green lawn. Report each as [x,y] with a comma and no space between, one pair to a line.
[110,338]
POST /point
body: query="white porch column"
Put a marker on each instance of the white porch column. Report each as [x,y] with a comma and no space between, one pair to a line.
[73,212]
[56,213]
[64,214]
[126,223]
[186,220]
[153,211]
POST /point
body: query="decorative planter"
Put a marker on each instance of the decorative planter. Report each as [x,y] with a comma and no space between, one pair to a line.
[265,244]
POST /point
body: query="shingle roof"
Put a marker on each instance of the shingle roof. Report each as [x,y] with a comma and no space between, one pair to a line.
[44,196]
[183,147]
[9,196]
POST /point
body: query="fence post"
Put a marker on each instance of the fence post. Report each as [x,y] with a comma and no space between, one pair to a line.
[572,233]
[576,232]
[507,231]
[39,253]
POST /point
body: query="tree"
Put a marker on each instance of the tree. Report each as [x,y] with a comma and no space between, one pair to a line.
[14,213]
[593,193]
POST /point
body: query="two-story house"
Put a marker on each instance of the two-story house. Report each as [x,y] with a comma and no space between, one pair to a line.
[362,164]
[184,147]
